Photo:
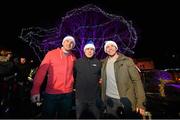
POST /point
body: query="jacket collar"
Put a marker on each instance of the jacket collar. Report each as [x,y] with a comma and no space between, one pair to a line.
[86,58]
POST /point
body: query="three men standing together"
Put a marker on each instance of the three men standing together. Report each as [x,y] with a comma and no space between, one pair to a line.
[115,78]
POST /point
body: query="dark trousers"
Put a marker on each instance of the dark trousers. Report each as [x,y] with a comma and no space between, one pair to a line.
[87,109]
[57,106]
[118,108]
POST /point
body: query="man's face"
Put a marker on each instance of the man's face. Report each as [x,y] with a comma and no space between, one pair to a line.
[89,52]
[68,45]
[111,50]
[22,60]
[9,55]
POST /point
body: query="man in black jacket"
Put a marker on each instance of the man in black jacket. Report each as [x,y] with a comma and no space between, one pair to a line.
[87,76]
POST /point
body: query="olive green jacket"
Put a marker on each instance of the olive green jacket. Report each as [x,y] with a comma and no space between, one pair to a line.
[128,80]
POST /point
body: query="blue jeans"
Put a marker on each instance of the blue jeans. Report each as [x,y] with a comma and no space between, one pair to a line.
[57,105]
[118,108]
[83,106]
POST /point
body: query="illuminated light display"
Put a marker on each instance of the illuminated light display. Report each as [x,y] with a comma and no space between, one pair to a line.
[86,23]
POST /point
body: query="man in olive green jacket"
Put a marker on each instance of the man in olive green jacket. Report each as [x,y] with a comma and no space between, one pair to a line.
[121,83]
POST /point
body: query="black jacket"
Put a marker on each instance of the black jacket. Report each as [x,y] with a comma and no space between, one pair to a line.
[7,70]
[87,75]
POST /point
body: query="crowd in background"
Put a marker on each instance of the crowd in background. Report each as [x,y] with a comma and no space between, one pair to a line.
[16,75]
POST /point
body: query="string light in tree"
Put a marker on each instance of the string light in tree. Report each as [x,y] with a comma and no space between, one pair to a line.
[86,23]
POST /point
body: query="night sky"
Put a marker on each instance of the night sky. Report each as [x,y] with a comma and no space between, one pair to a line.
[156,23]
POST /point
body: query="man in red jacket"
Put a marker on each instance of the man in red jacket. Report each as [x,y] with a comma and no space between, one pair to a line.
[58,64]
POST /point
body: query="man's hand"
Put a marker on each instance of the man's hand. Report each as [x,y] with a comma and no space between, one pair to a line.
[140,111]
[35,98]
[100,81]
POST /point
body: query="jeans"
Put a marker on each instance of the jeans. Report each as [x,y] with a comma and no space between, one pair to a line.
[57,105]
[83,106]
[118,108]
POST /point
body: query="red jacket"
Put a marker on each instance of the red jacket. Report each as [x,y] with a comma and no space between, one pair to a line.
[60,73]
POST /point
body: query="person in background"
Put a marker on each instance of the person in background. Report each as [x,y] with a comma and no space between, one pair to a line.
[5,55]
[87,76]
[23,68]
[122,88]
[23,86]
[7,68]
[58,64]
[7,80]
